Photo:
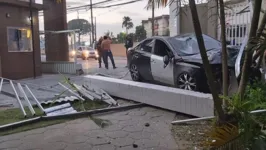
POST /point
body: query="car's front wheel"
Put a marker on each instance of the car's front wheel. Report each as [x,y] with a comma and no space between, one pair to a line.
[187,82]
[134,72]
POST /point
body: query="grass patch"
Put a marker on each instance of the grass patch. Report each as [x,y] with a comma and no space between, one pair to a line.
[35,125]
[15,115]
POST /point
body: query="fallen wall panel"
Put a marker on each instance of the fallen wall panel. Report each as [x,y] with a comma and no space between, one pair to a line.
[187,102]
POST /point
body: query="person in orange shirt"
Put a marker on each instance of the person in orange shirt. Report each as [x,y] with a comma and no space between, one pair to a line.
[106,49]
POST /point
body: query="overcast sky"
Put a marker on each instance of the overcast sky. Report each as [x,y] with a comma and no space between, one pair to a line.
[111,18]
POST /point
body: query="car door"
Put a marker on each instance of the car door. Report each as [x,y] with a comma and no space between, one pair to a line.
[160,72]
[143,57]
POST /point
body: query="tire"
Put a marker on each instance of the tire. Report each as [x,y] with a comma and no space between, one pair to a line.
[96,58]
[186,81]
[134,72]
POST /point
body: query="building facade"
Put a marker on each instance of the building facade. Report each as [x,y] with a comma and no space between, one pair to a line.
[16,47]
[237,17]
[181,19]
[161,26]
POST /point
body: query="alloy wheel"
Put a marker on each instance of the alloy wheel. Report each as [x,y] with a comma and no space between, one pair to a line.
[134,72]
[186,82]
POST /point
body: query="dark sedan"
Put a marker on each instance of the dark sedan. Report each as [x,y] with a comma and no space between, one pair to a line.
[175,61]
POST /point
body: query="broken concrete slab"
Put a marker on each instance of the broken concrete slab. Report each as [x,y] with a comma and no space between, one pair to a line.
[187,102]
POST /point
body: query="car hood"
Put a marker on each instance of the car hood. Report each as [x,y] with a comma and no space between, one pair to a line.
[214,57]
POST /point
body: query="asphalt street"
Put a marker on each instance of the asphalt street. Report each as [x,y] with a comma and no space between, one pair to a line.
[91,66]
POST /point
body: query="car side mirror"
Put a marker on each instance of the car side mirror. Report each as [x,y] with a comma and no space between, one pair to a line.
[166,60]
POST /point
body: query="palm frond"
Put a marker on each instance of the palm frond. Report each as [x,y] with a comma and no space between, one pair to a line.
[220,135]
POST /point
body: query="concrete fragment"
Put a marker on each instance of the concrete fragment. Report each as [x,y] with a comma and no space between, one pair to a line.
[187,102]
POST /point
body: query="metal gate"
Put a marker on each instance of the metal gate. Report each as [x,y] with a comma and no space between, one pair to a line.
[237,18]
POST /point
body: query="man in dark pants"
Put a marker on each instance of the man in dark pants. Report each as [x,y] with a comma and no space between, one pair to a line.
[99,50]
[106,49]
[128,44]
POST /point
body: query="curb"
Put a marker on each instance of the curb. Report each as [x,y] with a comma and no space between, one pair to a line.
[73,115]
[19,123]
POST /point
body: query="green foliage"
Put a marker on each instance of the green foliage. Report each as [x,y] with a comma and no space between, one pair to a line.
[121,37]
[127,23]
[83,25]
[140,33]
[250,127]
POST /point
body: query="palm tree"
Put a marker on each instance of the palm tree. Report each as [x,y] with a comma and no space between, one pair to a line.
[127,23]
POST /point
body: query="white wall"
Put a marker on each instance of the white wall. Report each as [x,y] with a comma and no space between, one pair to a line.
[163,26]
[147,27]
[174,25]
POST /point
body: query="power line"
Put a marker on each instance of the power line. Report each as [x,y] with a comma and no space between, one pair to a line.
[125,3]
[74,9]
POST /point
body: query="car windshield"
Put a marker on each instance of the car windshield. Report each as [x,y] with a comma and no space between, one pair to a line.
[187,44]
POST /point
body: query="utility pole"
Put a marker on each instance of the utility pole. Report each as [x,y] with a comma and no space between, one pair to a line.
[152,20]
[32,40]
[92,26]
[95,29]
[78,14]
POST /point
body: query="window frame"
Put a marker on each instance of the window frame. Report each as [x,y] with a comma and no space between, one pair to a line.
[153,52]
[142,43]
[7,37]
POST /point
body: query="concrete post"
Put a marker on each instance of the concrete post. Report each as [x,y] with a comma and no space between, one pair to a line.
[55,19]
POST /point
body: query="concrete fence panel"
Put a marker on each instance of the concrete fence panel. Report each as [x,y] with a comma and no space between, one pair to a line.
[62,67]
[178,100]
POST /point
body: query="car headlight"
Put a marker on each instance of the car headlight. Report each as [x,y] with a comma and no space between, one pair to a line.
[86,52]
[73,52]
[96,52]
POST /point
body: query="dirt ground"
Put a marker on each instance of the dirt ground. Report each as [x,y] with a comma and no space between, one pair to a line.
[190,136]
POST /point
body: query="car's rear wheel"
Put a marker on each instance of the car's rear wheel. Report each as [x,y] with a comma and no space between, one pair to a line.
[187,82]
[135,75]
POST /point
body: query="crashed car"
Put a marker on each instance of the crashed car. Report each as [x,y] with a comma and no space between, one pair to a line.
[176,61]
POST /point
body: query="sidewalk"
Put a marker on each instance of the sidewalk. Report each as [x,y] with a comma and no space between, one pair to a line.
[136,129]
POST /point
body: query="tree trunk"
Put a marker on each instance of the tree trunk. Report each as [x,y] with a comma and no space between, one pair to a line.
[248,51]
[224,50]
[208,71]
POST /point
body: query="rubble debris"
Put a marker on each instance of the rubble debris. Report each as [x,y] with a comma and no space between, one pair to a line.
[101,95]
[71,91]
[83,92]
[135,146]
[80,92]
[26,99]
[61,100]
[60,110]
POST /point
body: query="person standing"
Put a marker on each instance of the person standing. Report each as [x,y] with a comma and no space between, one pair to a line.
[106,49]
[128,44]
[99,50]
